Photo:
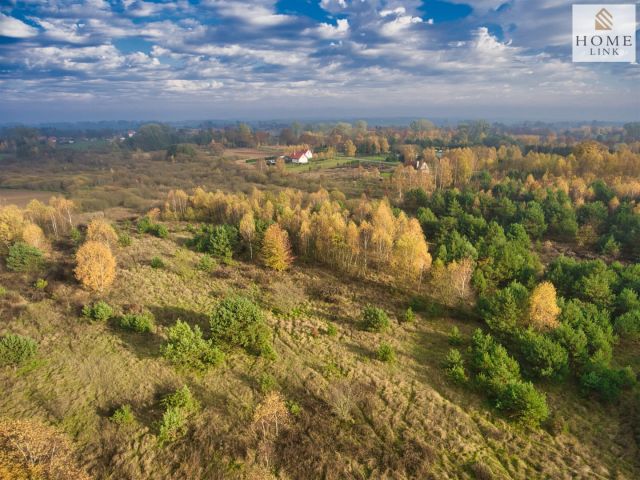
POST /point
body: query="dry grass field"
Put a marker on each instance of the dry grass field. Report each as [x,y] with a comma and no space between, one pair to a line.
[357,417]
[21,197]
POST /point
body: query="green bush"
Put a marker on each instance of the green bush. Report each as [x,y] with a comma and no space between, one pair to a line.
[627,300]
[610,246]
[504,308]
[24,258]
[455,338]
[186,347]
[240,322]
[40,284]
[454,366]
[156,262]
[492,362]
[123,415]
[499,374]
[332,330]
[179,406]
[76,236]
[386,353]
[375,319]
[146,225]
[294,408]
[3,291]
[160,231]
[628,325]
[99,311]
[124,239]
[592,322]
[268,383]
[137,322]
[16,349]
[523,403]
[218,241]
[409,316]
[606,382]
[206,263]
[542,356]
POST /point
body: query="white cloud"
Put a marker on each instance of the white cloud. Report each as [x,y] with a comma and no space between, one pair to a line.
[177,85]
[252,13]
[381,54]
[341,29]
[398,25]
[397,11]
[14,28]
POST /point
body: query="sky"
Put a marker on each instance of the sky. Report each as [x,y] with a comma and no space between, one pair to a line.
[66,60]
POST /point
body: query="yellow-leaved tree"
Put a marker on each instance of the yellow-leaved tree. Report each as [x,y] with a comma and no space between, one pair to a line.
[349,148]
[276,250]
[411,256]
[95,266]
[248,230]
[11,225]
[99,230]
[543,307]
[34,236]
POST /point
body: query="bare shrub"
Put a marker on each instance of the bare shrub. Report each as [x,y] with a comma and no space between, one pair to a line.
[29,449]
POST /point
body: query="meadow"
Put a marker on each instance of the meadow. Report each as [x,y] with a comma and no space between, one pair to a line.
[350,318]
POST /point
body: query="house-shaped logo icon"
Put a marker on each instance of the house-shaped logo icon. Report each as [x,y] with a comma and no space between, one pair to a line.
[604,20]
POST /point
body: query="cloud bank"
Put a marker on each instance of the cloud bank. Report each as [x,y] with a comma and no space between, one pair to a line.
[66,59]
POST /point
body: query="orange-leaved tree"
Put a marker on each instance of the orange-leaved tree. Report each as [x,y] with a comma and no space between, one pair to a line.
[95,266]
[99,230]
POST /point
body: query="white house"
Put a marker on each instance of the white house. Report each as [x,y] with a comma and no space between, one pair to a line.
[302,156]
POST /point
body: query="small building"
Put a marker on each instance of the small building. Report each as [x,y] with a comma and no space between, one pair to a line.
[302,156]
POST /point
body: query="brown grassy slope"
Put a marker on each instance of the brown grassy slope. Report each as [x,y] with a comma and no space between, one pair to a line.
[360,418]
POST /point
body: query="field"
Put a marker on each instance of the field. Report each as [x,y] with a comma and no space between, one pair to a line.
[21,197]
[359,416]
[352,401]
[97,180]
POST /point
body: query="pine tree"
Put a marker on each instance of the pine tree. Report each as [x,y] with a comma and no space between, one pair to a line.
[276,250]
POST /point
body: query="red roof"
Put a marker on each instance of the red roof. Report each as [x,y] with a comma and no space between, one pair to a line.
[298,154]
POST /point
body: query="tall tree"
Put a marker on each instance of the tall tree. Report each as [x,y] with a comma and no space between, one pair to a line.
[276,250]
[349,148]
[95,266]
[248,230]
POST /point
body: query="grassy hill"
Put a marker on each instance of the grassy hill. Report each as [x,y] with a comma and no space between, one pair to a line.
[351,414]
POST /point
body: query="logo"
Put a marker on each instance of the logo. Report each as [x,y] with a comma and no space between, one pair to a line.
[604,20]
[604,33]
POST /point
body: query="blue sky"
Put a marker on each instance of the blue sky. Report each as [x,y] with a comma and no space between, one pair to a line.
[230,59]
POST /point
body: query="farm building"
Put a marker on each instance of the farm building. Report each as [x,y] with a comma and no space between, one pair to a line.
[302,156]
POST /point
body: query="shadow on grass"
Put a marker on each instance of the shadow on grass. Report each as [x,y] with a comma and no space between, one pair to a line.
[168,316]
[360,350]
[143,345]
